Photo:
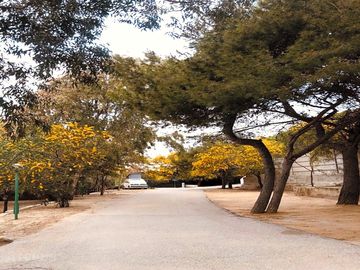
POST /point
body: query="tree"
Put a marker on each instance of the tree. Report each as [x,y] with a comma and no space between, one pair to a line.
[161,168]
[102,106]
[53,163]
[345,142]
[259,64]
[226,160]
[319,78]
[320,67]
[349,147]
[218,161]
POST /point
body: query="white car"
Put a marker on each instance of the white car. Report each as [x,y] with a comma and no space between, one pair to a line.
[134,181]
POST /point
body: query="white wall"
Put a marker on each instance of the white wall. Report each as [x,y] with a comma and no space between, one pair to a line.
[325,172]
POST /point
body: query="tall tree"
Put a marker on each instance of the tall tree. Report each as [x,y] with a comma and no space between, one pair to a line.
[319,60]
[287,58]
[345,142]
[349,147]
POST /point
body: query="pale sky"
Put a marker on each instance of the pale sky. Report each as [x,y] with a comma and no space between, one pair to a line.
[127,40]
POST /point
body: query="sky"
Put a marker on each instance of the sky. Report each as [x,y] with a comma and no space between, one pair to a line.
[127,40]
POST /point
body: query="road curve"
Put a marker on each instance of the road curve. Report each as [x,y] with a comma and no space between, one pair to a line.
[172,229]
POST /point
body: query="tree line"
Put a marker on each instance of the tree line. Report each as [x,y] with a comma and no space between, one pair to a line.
[213,160]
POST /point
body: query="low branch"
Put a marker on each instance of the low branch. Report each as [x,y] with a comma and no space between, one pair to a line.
[315,121]
[347,120]
[265,125]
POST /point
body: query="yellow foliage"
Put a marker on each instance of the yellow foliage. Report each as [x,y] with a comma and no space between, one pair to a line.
[223,157]
[162,168]
[67,149]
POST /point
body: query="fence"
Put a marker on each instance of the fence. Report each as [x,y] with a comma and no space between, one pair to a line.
[323,172]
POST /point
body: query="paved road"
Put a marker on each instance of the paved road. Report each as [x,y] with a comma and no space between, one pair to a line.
[173,229]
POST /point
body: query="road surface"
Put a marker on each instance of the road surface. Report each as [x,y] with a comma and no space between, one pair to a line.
[172,229]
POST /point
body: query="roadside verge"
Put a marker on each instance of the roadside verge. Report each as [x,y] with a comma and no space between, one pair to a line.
[319,216]
[34,218]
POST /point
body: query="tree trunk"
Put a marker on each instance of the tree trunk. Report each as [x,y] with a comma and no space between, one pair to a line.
[5,198]
[63,200]
[95,186]
[223,182]
[280,185]
[6,202]
[336,162]
[269,180]
[311,174]
[74,185]
[269,167]
[102,187]
[291,156]
[5,206]
[349,193]
[258,177]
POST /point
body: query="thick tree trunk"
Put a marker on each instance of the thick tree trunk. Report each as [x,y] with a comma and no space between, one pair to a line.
[350,190]
[269,180]
[63,202]
[269,167]
[280,185]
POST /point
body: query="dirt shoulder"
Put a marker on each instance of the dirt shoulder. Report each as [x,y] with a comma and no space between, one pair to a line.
[314,215]
[35,219]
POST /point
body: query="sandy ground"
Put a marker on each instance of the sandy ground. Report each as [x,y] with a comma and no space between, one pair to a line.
[23,204]
[314,215]
[35,219]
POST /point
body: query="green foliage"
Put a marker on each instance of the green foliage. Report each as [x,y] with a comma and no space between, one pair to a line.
[294,58]
[52,35]
[291,51]
[94,135]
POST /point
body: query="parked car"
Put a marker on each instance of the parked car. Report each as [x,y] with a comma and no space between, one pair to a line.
[134,181]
